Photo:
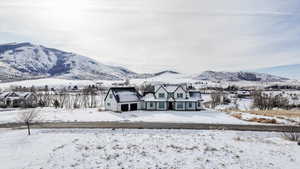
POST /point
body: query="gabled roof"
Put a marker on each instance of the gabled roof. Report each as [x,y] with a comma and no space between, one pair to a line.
[22,95]
[124,94]
[149,97]
[4,95]
[170,88]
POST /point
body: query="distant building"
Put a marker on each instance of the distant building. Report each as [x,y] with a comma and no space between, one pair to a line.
[243,94]
[18,99]
[122,99]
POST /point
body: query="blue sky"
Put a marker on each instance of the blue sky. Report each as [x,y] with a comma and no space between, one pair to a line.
[151,35]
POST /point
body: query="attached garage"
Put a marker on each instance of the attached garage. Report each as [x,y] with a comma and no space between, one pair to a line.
[133,106]
[121,99]
[124,107]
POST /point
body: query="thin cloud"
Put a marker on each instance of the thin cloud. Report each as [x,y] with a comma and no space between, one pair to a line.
[152,35]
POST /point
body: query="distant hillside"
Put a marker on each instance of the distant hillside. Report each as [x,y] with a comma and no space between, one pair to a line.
[165,72]
[150,75]
[289,71]
[27,61]
[238,76]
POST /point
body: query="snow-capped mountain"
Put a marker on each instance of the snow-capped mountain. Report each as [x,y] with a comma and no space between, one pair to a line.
[290,71]
[19,61]
[238,76]
[26,60]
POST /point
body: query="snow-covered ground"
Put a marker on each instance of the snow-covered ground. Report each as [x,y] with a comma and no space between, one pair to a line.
[164,78]
[136,149]
[68,115]
[53,82]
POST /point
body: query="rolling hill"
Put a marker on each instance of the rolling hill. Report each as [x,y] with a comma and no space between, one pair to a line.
[289,71]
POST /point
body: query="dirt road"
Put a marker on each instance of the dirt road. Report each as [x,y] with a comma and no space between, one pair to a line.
[156,125]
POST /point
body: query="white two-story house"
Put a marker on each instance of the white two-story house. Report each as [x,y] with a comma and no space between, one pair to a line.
[172,97]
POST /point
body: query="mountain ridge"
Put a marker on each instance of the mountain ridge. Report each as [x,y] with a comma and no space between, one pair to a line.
[29,60]
[238,76]
[290,71]
[22,61]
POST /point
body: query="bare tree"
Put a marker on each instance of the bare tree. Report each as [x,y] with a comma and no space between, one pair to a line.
[28,117]
[265,101]
[292,136]
[218,98]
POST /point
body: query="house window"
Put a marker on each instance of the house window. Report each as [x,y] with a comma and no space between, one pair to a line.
[179,105]
[199,104]
[190,104]
[108,104]
[110,96]
[179,95]
[161,105]
[151,104]
[161,95]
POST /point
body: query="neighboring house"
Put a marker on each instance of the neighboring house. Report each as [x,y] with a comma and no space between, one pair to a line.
[18,99]
[172,97]
[243,94]
[122,99]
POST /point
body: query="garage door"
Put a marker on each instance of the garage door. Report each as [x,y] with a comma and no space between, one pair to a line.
[133,106]
[124,107]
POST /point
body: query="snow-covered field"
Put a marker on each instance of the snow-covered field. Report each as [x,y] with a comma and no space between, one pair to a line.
[164,78]
[138,149]
[66,115]
[52,82]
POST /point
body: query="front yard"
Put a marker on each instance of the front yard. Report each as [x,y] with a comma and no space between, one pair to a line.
[136,149]
[68,115]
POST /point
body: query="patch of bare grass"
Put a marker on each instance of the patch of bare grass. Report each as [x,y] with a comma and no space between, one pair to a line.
[290,115]
[277,113]
[255,119]
[263,120]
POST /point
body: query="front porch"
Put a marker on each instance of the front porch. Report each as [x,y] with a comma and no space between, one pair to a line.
[171,105]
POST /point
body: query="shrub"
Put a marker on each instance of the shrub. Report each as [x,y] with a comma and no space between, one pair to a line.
[292,135]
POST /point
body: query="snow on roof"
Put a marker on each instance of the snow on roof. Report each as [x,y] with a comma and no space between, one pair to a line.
[195,94]
[243,92]
[171,88]
[126,94]
[149,97]
[188,100]
[3,95]
[23,94]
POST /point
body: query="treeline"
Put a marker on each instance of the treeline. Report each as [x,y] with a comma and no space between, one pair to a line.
[283,87]
[264,101]
[85,99]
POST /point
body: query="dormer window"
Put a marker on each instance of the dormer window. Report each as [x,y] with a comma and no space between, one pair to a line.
[161,95]
[179,95]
